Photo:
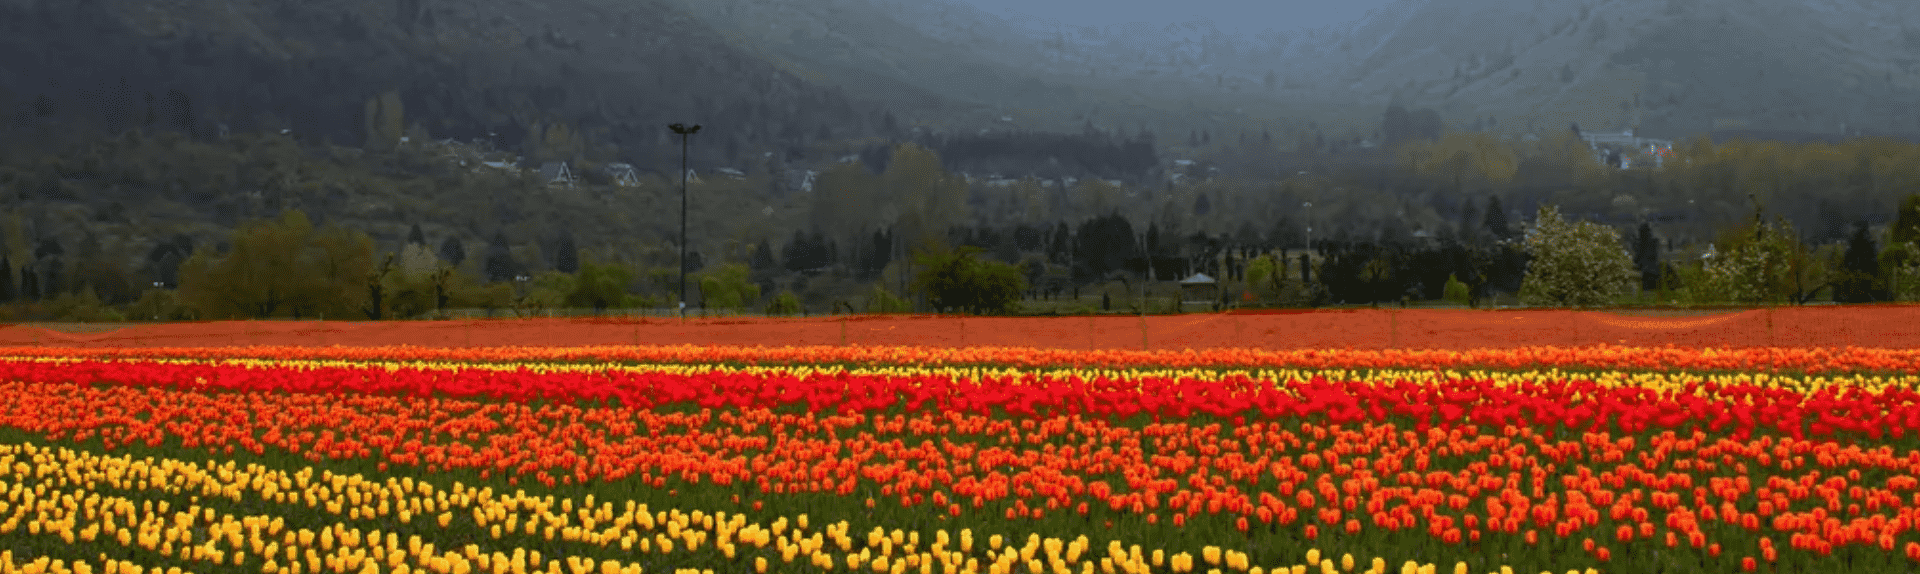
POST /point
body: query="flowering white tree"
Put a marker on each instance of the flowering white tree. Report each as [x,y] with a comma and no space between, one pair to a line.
[1754,264]
[1581,264]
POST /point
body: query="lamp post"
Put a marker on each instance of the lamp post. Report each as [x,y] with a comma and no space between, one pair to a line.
[684,131]
[1309,206]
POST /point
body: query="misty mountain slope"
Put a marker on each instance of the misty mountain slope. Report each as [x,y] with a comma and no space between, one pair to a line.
[857,47]
[1682,67]
[985,71]
[615,71]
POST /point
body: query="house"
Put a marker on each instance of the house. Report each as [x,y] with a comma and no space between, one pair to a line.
[1622,149]
[502,165]
[731,172]
[800,179]
[556,172]
[623,174]
[1198,290]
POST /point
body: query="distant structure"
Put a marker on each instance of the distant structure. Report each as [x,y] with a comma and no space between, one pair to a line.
[1621,150]
[623,174]
[800,180]
[556,173]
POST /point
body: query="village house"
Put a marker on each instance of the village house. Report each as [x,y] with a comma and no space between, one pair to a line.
[623,174]
[556,173]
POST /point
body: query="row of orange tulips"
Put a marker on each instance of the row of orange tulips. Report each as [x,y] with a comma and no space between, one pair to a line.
[1766,359]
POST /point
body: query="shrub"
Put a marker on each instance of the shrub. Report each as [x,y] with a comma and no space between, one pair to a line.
[880,300]
[957,281]
[786,303]
[727,288]
[1456,291]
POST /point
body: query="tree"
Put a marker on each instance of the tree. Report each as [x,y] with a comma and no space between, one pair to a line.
[344,258]
[1753,264]
[6,280]
[499,264]
[415,236]
[1574,264]
[1456,292]
[727,287]
[601,286]
[786,303]
[375,306]
[957,281]
[566,257]
[1646,257]
[268,267]
[549,290]
[452,251]
[1859,267]
[1496,220]
[1905,230]
[415,285]
[880,300]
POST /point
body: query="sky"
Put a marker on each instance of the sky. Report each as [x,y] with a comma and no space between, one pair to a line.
[1232,16]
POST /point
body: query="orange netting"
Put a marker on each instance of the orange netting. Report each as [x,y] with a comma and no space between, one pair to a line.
[1886,326]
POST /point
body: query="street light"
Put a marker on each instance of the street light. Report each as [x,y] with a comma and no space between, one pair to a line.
[1309,206]
[684,131]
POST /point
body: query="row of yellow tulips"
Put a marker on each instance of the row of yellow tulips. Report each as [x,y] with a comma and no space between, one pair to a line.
[56,492]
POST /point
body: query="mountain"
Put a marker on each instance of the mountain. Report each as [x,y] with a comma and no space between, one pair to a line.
[1672,67]
[950,66]
[611,74]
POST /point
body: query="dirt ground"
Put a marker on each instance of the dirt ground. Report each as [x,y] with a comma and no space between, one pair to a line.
[1869,326]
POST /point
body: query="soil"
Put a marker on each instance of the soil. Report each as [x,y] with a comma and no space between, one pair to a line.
[1864,326]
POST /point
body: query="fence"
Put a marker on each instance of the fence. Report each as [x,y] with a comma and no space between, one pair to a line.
[1887,326]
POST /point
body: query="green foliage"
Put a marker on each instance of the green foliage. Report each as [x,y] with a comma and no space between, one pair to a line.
[601,286]
[547,290]
[957,281]
[1906,222]
[159,305]
[1752,264]
[880,300]
[786,303]
[727,287]
[1574,264]
[273,266]
[83,307]
[1456,291]
[1900,265]
[1265,276]
[488,297]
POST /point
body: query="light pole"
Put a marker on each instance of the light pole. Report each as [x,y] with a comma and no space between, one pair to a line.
[684,131]
[1309,206]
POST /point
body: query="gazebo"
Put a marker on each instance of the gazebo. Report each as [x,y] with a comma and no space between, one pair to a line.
[1198,290]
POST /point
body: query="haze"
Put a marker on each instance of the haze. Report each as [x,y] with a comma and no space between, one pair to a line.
[1241,16]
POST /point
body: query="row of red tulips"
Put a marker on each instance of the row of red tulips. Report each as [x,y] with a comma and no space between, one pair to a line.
[1550,404]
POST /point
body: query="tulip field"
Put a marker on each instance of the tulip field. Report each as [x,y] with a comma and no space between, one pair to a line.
[983,460]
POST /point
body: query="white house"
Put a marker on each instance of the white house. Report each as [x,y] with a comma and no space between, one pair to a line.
[623,174]
[556,173]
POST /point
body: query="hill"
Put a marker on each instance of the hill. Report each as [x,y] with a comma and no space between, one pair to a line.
[1674,68]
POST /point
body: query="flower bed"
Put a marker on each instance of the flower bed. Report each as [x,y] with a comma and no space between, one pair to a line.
[1184,469]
